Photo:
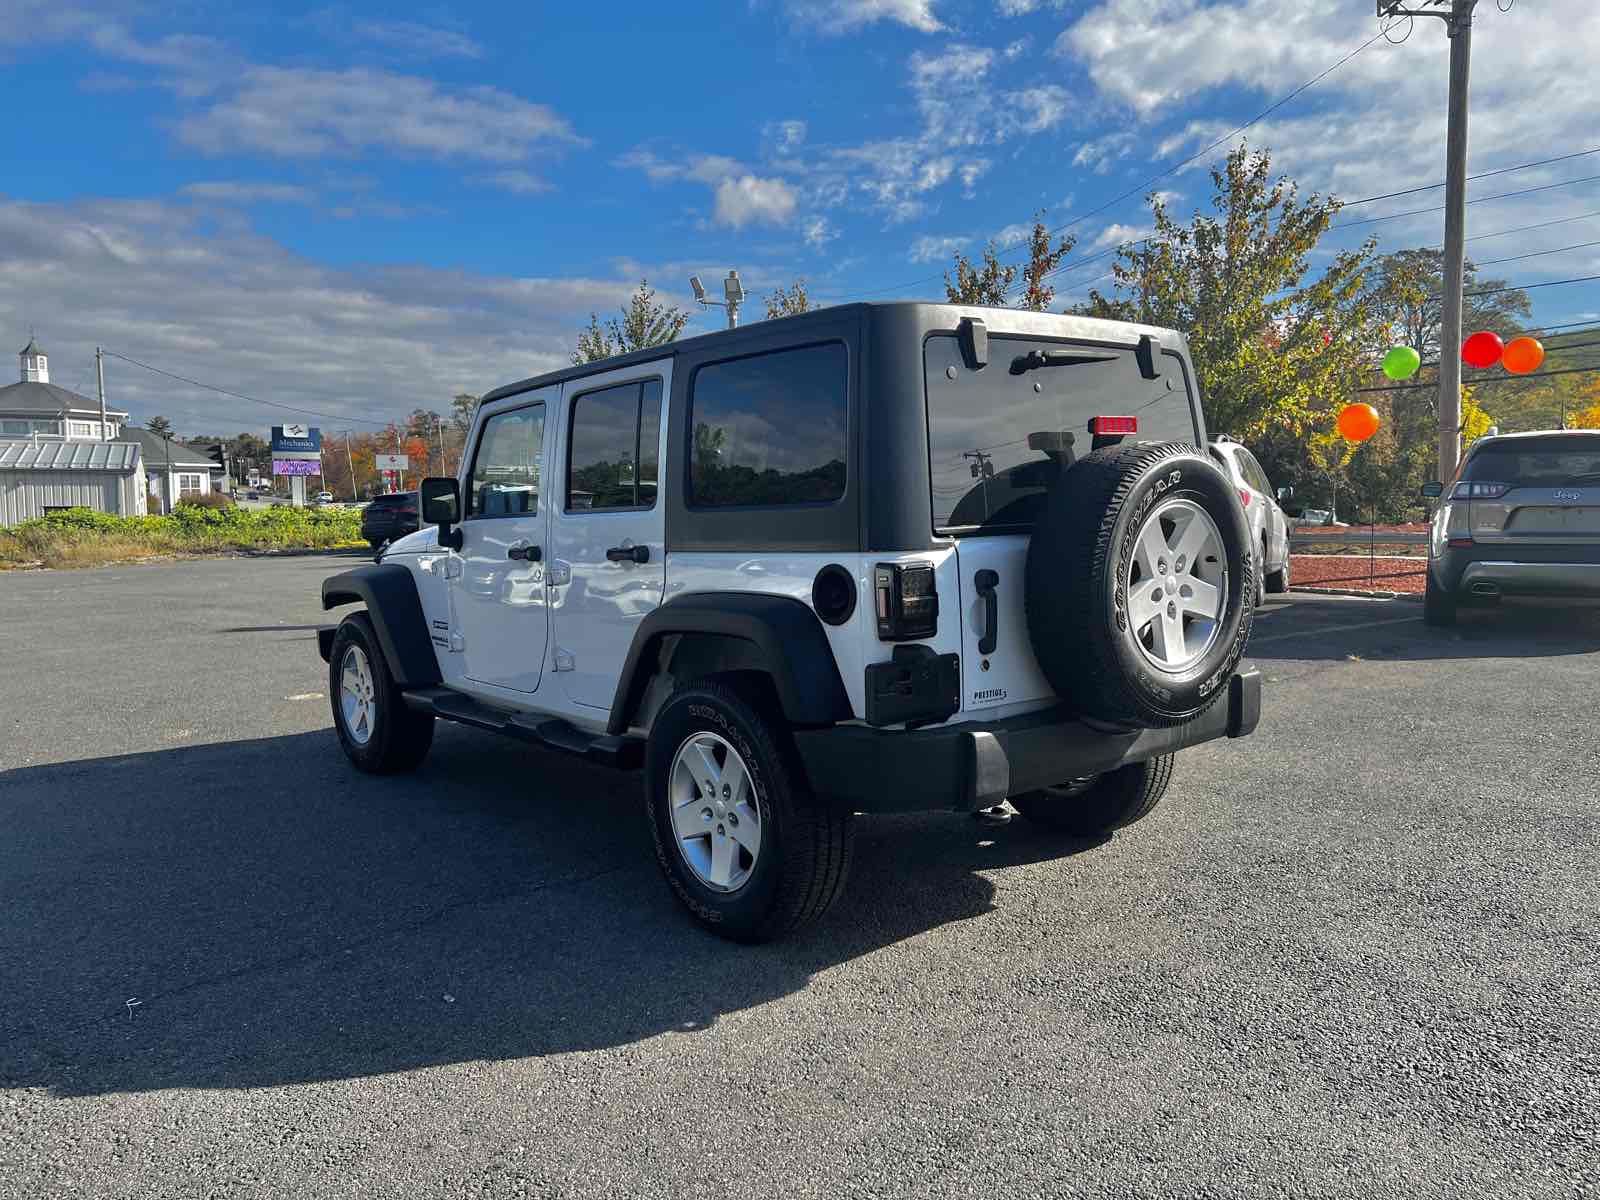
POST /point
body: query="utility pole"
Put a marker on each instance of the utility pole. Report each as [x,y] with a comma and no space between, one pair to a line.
[350,461]
[1458,24]
[438,424]
[100,378]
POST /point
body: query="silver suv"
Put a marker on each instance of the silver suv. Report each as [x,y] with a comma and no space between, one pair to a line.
[1269,528]
[1521,518]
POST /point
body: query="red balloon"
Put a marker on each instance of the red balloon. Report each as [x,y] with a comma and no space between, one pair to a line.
[1482,349]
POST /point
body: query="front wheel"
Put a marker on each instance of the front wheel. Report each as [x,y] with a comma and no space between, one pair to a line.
[751,851]
[378,732]
[1099,804]
[1278,581]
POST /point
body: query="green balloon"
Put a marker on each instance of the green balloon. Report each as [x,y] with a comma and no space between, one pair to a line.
[1402,362]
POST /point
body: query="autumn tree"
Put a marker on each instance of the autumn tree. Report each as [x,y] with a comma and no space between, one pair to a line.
[1275,345]
[989,281]
[789,302]
[1408,300]
[645,322]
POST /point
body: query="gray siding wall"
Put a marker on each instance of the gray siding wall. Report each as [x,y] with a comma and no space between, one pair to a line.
[25,494]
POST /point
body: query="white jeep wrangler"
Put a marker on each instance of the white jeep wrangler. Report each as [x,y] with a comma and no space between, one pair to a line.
[875,558]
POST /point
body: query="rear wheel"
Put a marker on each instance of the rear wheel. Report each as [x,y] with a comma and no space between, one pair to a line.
[751,851]
[1099,804]
[378,732]
[1438,605]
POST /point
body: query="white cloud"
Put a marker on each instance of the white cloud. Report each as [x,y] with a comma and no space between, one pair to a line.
[785,136]
[841,16]
[417,40]
[1011,234]
[744,199]
[237,192]
[1015,8]
[818,232]
[516,181]
[740,197]
[162,283]
[931,249]
[1100,153]
[1016,49]
[1116,234]
[303,112]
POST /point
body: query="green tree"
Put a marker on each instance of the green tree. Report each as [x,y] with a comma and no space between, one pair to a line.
[789,302]
[645,322]
[1276,347]
[159,426]
[463,407]
[989,281]
[1407,290]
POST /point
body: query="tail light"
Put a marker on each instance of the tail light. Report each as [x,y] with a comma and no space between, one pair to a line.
[906,601]
[1244,497]
[1113,426]
[1479,491]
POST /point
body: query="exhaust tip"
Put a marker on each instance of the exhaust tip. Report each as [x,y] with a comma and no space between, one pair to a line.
[1485,589]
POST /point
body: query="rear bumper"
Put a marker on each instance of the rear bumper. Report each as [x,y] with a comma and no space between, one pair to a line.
[979,763]
[1513,570]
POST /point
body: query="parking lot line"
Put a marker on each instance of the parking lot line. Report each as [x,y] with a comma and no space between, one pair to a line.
[1293,633]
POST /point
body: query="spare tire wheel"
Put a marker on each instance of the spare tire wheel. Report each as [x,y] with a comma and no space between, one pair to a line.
[1139,584]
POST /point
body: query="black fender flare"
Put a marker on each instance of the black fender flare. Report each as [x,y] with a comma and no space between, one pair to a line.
[390,594]
[786,640]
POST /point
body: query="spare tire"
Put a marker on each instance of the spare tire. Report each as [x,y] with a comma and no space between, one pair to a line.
[1139,584]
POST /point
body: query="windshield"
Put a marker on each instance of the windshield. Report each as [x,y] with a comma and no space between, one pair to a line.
[996,435]
[1564,461]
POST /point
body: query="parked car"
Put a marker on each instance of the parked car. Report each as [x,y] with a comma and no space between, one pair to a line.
[1521,518]
[997,565]
[388,518]
[1269,528]
[324,497]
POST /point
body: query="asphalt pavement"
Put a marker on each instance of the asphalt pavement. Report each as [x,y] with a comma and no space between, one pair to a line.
[1354,955]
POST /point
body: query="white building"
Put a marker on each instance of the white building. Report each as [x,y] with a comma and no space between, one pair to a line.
[55,452]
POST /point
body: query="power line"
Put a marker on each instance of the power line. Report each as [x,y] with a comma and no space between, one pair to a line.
[1429,187]
[1489,262]
[1525,287]
[1416,212]
[1413,387]
[1172,170]
[241,396]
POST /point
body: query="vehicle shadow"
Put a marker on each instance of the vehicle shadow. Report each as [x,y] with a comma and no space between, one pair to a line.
[255,913]
[1310,631]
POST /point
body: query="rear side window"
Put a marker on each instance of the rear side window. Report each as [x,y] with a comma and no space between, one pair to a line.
[1562,461]
[507,465]
[613,445]
[1253,474]
[771,429]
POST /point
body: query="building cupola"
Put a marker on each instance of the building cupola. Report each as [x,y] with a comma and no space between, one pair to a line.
[35,366]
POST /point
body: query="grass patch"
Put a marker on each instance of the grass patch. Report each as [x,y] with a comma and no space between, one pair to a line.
[81,537]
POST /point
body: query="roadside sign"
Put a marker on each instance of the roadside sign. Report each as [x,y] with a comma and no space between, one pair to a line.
[296,441]
[297,466]
[392,462]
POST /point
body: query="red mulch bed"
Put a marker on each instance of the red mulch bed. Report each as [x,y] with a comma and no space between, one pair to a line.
[1383,573]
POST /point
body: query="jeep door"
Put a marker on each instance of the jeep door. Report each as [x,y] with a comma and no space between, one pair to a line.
[499,603]
[608,537]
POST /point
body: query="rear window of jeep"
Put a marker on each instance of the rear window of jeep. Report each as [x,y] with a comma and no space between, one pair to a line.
[985,475]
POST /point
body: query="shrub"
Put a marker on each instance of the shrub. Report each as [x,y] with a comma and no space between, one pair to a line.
[207,500]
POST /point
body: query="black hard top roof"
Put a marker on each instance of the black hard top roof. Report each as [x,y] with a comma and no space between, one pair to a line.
[730,338]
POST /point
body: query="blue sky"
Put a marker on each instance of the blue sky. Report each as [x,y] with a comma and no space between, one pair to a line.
[359,209]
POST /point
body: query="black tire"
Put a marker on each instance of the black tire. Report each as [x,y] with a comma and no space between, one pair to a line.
[1108,802]
[805,840]
[1438,605]
[400,738]
[1278,581]
[1076,595]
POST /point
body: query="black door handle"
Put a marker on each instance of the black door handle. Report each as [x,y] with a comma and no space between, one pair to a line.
[526,553]
[637,554]
[986,581]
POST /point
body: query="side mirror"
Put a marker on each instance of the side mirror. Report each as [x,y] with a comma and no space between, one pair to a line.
[1285,493]
[441,506]
[1432,491]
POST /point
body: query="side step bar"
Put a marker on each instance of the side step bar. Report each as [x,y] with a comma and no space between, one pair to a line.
[550,732]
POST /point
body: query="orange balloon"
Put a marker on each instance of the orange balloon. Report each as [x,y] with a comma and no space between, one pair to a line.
[1522,355]
[1358,422]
